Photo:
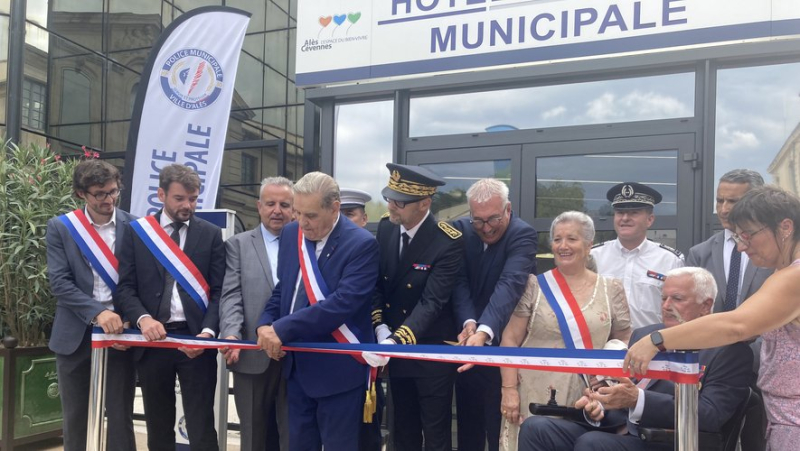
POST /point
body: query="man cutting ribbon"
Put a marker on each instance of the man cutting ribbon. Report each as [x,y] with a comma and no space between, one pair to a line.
[328,270]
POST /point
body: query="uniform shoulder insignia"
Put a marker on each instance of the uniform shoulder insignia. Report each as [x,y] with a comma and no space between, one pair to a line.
[599,245]
[385,215]
[674,251]
[451,231]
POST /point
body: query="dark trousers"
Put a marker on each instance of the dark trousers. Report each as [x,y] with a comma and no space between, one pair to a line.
[423,408]
[157,369]
[553,434]
[478,408]
[263,409]
[73,381]
[332,421]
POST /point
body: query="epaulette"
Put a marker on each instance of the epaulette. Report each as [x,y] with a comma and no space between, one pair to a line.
[599,245]
[451,231]
[674,251]
[385,215]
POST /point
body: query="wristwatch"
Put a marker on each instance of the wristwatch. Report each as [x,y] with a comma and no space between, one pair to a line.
[658,341]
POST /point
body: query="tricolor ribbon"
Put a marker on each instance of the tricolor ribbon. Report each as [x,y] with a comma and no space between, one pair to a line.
[573,325]
[173,259]
[678,367]
[92,247]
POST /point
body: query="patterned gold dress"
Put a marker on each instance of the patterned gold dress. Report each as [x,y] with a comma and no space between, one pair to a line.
[606,311]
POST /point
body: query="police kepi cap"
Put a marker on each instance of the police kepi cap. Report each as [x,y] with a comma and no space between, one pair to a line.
[409,183]
[632,195]
[351,197]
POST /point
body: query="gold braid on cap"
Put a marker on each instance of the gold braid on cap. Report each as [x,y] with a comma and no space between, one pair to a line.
[636,197]
[396,183]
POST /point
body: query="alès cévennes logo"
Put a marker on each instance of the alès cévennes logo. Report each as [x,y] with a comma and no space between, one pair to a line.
[331,26]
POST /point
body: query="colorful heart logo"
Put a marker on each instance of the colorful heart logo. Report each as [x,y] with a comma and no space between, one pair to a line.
[340,19]
[324,21]
[353,17]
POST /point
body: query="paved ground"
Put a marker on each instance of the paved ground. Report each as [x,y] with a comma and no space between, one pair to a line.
[141,441]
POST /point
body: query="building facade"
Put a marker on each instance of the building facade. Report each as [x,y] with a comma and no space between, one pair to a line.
[70,71]
[539,95]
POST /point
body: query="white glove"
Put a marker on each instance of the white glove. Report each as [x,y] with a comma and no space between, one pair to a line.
[374,360]
[382,332]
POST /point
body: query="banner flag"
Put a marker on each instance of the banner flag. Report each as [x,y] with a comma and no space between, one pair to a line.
[183,104]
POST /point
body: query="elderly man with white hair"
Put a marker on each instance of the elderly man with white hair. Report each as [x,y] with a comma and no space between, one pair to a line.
[499,254]
[687,293]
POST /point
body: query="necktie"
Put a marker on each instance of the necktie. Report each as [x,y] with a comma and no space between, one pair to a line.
[406,239]
[169,281]
[732,290]
[301,298]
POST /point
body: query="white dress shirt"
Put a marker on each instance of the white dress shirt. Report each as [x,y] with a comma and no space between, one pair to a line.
[108,233]
[272,243]
[727,247]
[631,267]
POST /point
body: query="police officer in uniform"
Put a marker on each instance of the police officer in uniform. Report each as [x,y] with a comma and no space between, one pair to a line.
[632,258]
[420,260]
[353,205]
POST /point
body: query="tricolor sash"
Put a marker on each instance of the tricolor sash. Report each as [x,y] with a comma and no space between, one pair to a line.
[568,313]
[92,247]
[316,289]
[173,259]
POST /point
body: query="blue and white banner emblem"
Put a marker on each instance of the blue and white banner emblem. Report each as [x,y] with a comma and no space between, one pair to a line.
[184,102]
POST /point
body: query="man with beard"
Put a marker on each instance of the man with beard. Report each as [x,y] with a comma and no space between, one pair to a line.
[82,248]
[420,260]
[171,271]
[252,271]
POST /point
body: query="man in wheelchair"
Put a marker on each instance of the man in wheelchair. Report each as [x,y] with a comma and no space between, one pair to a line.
[615,412]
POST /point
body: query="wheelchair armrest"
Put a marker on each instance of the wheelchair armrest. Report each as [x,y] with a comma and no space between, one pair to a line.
[568,413]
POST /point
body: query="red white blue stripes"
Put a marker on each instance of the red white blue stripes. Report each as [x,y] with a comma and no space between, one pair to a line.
[174,260]
[92,247]
[573,325]
[680,367]
[316,289]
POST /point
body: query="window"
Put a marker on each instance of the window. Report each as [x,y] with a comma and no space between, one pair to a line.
[33,104]
[758,122]
[596,102]
[249,171]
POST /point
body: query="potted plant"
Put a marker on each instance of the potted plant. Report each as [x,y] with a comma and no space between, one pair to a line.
[35,185]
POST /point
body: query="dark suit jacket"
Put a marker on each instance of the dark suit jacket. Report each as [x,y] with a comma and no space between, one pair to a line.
[72,283]
[415,292]
[491,282]
[141,276]
[726,375]
[349,265]
[710,255]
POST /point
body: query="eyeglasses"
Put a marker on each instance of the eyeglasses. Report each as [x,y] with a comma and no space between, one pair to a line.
[102,195]
[479,223]
[745,237]
[400,203]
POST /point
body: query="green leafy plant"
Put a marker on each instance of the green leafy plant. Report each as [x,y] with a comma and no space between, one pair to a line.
[35,185]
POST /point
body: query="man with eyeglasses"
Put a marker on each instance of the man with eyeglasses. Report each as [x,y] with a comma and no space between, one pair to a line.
[737,278]
[499,254]
[638,262]
[82,251]
[420,260]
